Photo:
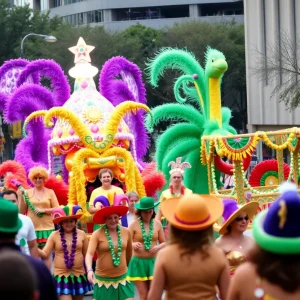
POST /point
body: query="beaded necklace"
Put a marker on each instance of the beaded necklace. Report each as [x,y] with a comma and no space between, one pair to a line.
[147,239]
[116,260]
[182,188]
[69,260]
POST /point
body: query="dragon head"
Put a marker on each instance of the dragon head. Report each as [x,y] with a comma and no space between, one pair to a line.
[215,65]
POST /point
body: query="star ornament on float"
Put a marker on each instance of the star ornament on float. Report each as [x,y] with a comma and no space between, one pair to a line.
[82,60]
[82,51]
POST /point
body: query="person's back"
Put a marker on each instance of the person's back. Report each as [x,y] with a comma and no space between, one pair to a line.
[192,276]
[247,274]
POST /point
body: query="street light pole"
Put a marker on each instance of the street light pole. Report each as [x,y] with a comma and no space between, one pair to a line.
[47,38]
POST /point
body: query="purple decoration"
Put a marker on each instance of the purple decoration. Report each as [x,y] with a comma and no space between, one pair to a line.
[75,209]
[130,87]
[3,99]
[230,206]
[69,260]
[51,70]
[26,100]
[101,199]
[8,86]
[291,226]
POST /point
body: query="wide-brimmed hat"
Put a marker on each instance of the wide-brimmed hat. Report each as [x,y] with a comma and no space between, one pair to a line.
[9,217]
[146,203]
[232,210]
[60,214]
[192,212]
[99,216]
[277,230]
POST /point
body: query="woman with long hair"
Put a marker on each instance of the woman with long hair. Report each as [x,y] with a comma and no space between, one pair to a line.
[39,206]
[113,245]
[69,245]
[148,238]
[272,271]
[191,266]
[235,244]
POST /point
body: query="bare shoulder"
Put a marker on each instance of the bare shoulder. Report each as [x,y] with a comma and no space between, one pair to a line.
[157,224]
[246,271]
[81,232]
[219,242]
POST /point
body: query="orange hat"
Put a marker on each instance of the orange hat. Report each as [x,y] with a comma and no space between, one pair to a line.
[192,212]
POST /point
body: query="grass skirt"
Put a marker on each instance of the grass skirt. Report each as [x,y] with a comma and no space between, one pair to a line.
[141,269]
[72,285]
[42,237]
[118,288]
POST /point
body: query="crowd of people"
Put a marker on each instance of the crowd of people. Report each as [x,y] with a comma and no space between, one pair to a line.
[185,261]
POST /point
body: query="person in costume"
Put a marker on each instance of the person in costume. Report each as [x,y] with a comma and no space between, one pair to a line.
[133,198]
[106,177]
[113,245]
[233,241]
[39,206]
[26,238]
[70,246]
[191,266]
[272,272]
[148,238]
[176,189]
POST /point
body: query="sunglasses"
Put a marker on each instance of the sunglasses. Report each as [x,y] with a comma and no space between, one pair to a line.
[176,177]
[38,178]
[239,219]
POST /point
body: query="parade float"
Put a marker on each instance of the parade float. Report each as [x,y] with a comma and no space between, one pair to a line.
[87,129]
[202,135]
[90,130]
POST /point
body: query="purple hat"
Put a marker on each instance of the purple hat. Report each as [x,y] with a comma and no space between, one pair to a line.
[232,210]
[278,229]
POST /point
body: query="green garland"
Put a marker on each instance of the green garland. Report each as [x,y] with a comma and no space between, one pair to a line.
[29,203]
[116,260]
[147,239]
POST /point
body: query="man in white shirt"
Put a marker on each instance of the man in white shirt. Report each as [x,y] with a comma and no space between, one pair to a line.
[26,238]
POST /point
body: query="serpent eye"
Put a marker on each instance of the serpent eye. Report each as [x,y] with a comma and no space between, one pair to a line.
[212,60]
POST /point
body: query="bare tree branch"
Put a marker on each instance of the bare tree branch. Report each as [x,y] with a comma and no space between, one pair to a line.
[280,61]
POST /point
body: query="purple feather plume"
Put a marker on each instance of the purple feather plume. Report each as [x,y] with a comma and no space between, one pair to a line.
[26,100]
[129,87]
[51,70]
[9,74]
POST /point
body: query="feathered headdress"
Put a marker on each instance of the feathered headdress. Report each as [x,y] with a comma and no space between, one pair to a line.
[178,166]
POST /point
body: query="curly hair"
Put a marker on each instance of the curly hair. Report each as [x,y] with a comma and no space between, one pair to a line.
[33,172]
[192,241]
[281,270]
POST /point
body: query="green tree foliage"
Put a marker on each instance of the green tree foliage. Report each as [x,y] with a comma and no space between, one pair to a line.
[16,22]
[137,43]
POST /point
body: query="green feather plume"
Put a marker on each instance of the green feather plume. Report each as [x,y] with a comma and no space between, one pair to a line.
[174,112]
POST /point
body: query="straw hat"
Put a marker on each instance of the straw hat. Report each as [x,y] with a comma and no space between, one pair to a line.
[232,210]
[60,214]
[277,230]
[192,212]
[100,215]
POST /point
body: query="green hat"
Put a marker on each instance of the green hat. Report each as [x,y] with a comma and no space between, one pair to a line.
[9,217]
[146,203]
